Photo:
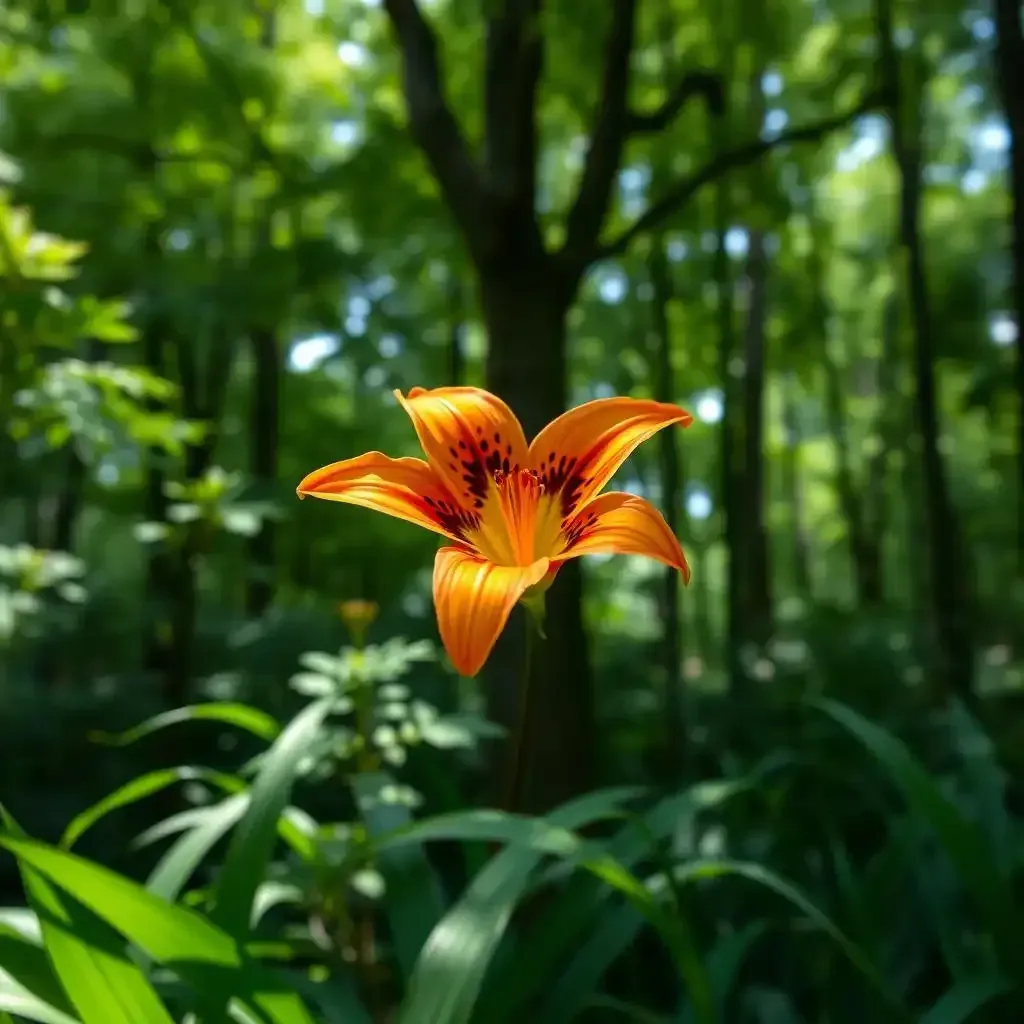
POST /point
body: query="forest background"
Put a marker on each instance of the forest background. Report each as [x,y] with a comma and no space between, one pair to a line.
[789,792]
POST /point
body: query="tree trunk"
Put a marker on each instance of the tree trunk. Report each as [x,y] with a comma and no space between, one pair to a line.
[729,462]
[525,315]
[876,503]
[793,490]
[456,338]
[860,545]
[264,428]
[526,293]
[264,434]
[68,502]
[1009,57]
[755,539]
[670,475]
[948,569]
[864,544]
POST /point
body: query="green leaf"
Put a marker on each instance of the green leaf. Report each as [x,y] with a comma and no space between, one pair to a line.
[444,987]
[724,963]
[242,521]
[205,957]
[150,533]
[101,982]
[272,894]
[138,789]
[627,1011]
[707,869]
[240,715]
[964,999]
[578,919]
[17,1000]
[963,841]
[295,827]
[183,857]
[107,321]
[415,902]
[337,999]
[312,684]
[987,783]
[252,844]
[27,965]
[574,987]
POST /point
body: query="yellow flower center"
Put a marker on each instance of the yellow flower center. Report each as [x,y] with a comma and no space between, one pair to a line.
[519,522]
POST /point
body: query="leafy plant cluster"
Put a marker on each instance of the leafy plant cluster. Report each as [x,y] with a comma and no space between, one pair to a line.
[301,920]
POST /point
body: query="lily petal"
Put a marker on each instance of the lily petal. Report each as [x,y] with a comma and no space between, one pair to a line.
[474,598]
[404,488]
[623,524]
[468,435]
[576,454]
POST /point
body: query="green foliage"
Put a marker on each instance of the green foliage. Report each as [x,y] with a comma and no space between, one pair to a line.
[32,583]
[449,962]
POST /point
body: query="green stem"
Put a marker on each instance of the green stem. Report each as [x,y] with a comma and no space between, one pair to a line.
[366,761]
[516,766]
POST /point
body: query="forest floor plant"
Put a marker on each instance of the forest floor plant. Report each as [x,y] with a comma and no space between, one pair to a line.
[354,925]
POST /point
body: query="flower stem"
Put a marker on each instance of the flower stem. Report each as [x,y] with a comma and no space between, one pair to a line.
[363,928]
[516,774]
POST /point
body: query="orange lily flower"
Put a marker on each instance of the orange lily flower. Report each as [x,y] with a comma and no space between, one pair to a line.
[514,512]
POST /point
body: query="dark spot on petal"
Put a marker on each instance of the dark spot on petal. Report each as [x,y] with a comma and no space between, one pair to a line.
[484,445]
[457,520]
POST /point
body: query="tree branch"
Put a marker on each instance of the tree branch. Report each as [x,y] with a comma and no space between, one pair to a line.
[515,54]
[705,84]
[741,156]
[433,125]
[588,212]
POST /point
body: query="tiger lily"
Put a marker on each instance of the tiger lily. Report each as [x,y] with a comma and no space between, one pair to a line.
[514,512]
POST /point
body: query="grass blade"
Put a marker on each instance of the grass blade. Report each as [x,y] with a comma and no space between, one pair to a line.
[707,869]
[138,789]
[414,902]
[962,840]
[19,1001]
[963,1000]
[204,956]
[451,968]
[242,716]
[252,843]
[27,965]
[100,981]
[578,915]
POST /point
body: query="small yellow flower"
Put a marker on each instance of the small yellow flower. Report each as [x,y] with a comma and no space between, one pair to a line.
[358,616]
[514,512]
